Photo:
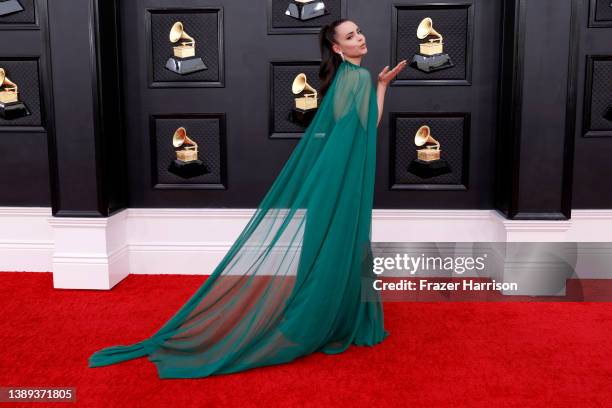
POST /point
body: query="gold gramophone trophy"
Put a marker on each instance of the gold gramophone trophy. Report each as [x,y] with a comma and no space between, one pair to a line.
[306,9]
[306,104]
[431,56]
[10,106]
[184,60]
[428,163]
[186,164]
[9,7]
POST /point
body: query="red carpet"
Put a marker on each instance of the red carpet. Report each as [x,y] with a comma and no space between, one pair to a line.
[489,354]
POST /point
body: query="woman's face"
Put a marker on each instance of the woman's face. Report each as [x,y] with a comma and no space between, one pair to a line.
[350,40]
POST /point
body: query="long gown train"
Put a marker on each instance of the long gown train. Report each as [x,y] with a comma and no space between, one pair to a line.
[298,279]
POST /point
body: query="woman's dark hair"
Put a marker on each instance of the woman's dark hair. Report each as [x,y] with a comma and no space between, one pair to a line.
[329,59]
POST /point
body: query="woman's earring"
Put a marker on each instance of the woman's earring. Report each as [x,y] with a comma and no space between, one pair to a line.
[342,55]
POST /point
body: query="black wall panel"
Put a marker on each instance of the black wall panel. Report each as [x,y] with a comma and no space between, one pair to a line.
[454,21]
[282,74]
[527,91]
[601,13]
[208,132]
[592,70]
[205,25]
[25,17]
[24,54]
[471,90]
[597,112]
[256,97]
[451,130]
[24,71]
[542,150]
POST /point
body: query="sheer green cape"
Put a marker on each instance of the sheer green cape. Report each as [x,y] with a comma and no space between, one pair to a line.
[299,277]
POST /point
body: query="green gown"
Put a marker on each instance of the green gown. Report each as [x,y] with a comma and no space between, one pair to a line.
[298,279]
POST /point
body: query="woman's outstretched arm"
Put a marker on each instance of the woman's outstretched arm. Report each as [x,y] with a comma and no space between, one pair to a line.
[384,78]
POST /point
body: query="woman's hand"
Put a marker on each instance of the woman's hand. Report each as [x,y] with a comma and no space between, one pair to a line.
[386,76]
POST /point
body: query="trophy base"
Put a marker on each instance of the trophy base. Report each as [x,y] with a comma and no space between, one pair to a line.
[184,66]
[302,117]
[9,7]
[307,11]
[429,169]
[431,63]
[608,114]
[13,110]
[189,169]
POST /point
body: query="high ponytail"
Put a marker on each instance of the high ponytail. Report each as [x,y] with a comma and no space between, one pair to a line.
[330,61]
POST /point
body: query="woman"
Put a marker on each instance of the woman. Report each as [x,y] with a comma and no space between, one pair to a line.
[299,277]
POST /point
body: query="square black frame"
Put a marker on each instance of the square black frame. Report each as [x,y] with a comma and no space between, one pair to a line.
[469,44]
[149,49]
[271,133]
[297,30]
[43,86]
[393,116]
[588,95]
[593,22]
[27,26]
[222,152]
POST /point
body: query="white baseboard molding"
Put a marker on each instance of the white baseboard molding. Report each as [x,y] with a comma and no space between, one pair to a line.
[26,239]
[97,253]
